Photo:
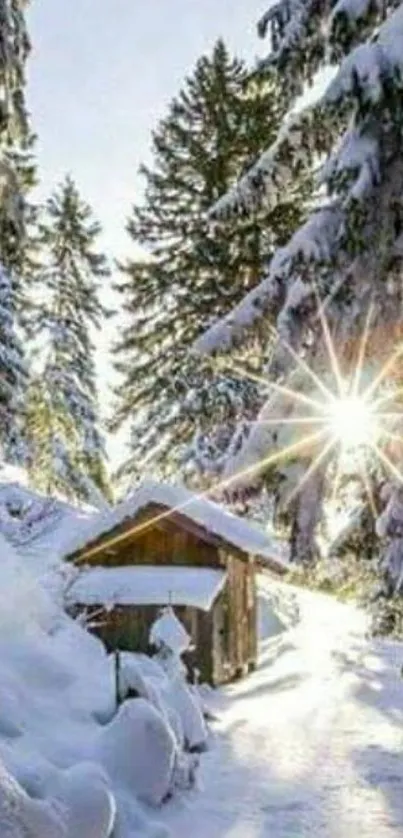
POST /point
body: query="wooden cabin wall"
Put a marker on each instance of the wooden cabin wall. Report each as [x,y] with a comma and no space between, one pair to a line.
[163,543]
[128,628]
[123,627]
[240,618]
[251,598]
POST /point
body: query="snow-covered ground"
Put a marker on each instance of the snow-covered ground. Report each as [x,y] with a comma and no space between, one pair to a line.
[312,743]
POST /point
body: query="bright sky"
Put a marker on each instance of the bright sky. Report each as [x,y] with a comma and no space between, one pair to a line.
[100,76]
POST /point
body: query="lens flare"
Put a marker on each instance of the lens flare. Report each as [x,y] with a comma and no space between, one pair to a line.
[354,428]
[353,423]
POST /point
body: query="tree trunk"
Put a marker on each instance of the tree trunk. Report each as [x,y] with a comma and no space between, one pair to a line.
[307,511]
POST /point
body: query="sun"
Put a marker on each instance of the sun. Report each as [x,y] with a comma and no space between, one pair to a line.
[353,423]
[341,420]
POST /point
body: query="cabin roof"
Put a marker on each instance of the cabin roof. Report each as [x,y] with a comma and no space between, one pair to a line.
[209,516]
[147,585]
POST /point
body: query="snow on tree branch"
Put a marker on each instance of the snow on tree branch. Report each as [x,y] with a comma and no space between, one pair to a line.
[314,241]
[353,171]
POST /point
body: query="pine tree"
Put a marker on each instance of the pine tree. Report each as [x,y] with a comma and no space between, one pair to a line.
[48,460]
[349,251]
[215,128]
[71,310]
[19,246]
[14,133]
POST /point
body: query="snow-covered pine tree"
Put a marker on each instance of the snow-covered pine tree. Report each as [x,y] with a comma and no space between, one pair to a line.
[46,430]
[349,251]
[71,310]
[19,246]
[14,132]
[13,377]
[215,128]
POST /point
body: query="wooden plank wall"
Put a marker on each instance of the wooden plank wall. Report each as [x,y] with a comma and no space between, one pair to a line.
[161,544]
[241,617]
[128,627]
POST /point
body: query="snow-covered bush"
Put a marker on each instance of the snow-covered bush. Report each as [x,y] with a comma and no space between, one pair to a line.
[162,680]
[387,615]
[171,640]
[143,677]
[83,793]
[138,750]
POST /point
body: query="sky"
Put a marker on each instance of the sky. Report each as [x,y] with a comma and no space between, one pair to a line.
[100,76]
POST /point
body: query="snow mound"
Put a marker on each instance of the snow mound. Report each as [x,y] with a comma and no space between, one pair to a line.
[84,795]
[71,766]
[138,750]
[168,631]
[175,700]
[21,817]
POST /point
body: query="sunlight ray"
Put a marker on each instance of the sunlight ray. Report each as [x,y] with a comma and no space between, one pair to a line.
[334,362]
[361,352]
[241,372]
[368,488]
[337,481]
[394,436]
[392,415]
[304,366]
[209,494]
[387,463]
[303,420]
[320,457]
[274,385]
[387,397]
[271,459]
[388,365]
[297,396]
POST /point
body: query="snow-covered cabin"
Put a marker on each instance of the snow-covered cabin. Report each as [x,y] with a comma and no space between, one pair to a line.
[165,546]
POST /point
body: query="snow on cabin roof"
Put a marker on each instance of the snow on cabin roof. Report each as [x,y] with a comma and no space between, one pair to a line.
[209,515]
[147,585]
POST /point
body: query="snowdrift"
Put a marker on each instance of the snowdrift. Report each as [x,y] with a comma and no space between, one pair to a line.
[71,766]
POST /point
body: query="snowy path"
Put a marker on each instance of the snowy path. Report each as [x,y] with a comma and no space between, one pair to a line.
[311,744]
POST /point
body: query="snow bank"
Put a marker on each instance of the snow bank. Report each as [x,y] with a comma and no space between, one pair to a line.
[138,750]
[21,817]
[34,523]
[70,766]
[84,795]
